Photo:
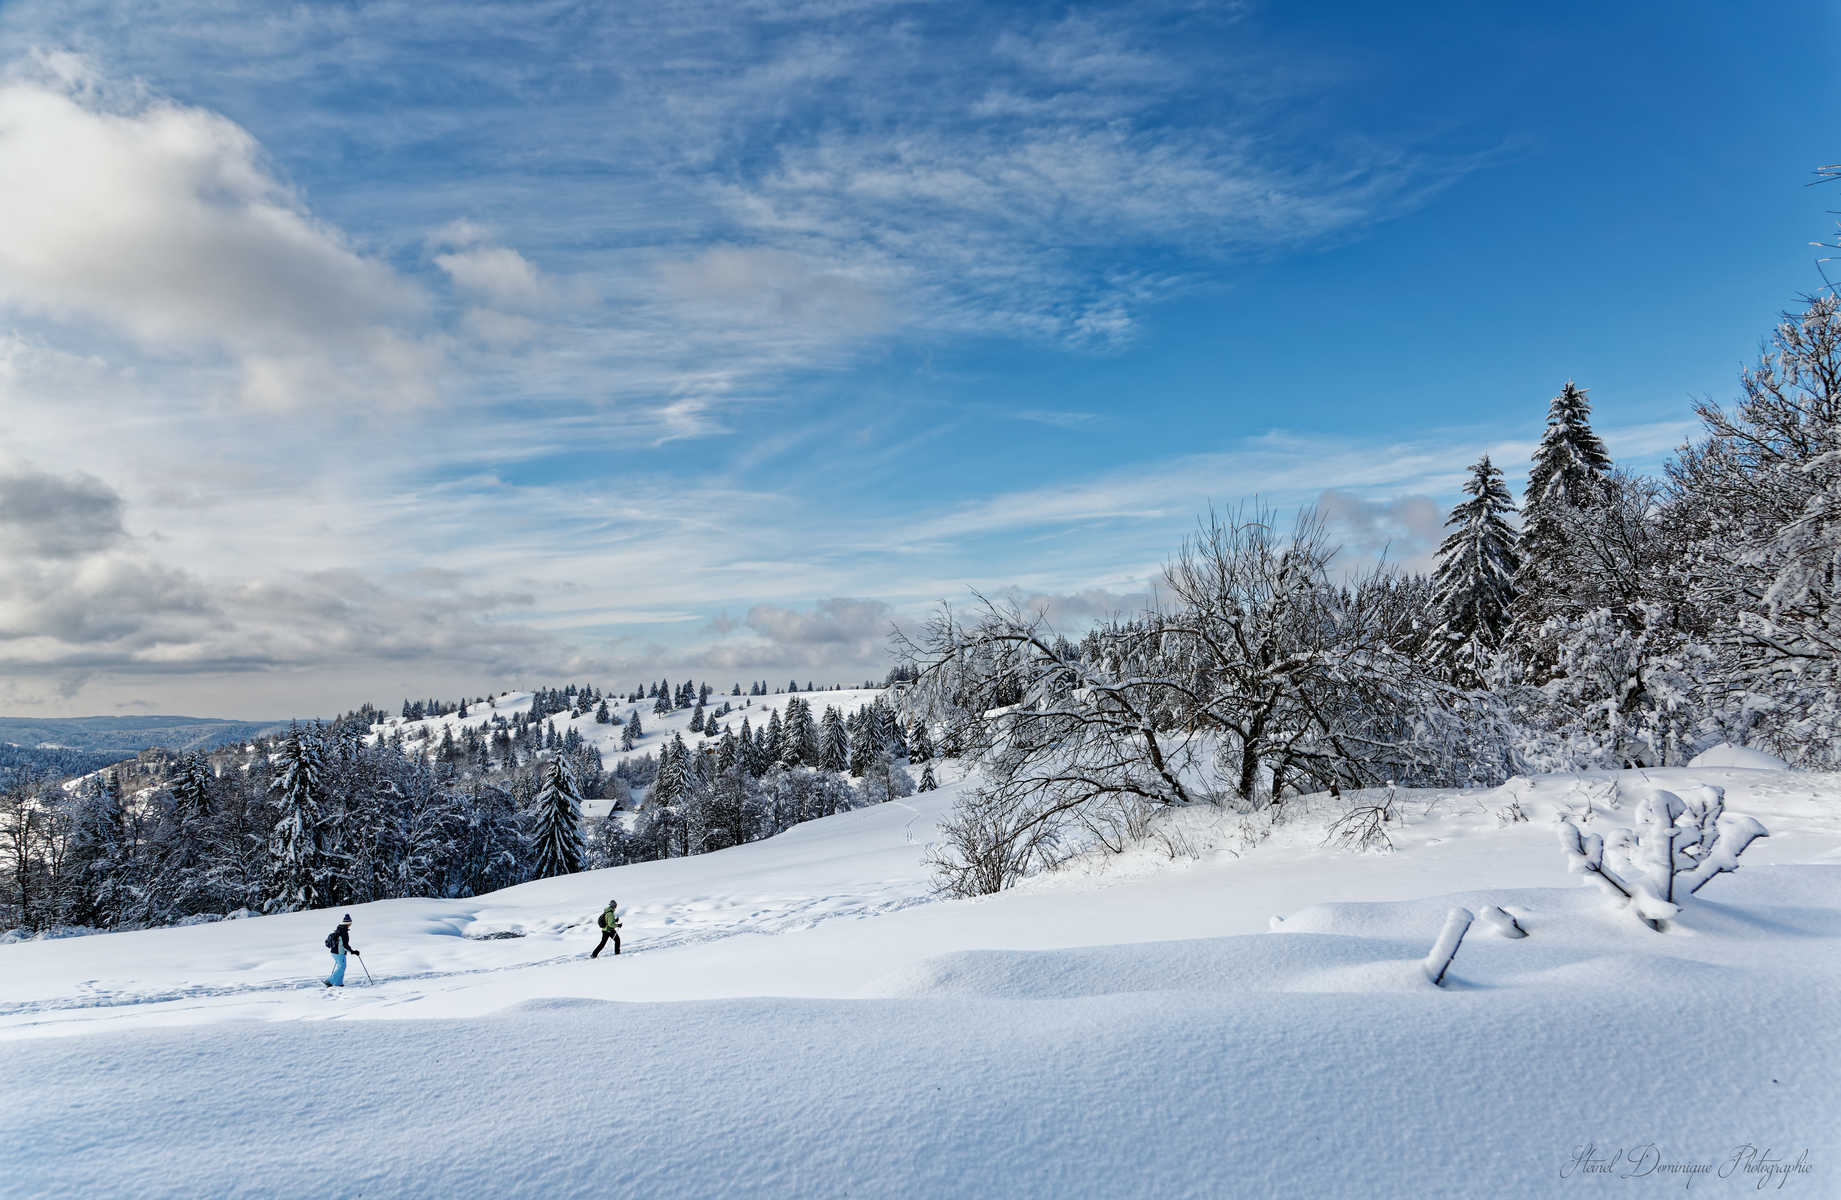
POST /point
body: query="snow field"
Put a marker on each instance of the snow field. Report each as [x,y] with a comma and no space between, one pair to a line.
[796,1018]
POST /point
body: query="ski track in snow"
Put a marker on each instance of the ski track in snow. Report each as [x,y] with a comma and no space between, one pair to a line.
[707,920]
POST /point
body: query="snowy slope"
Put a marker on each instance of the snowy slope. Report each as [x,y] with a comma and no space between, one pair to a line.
[659,728]
[795,1018]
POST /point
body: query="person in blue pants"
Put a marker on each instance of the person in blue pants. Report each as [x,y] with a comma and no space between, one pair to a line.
[339,942]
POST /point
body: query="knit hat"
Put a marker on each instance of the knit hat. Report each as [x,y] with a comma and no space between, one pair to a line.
[347,920]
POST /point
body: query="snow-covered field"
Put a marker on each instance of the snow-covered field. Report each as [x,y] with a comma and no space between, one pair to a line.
[800,1017]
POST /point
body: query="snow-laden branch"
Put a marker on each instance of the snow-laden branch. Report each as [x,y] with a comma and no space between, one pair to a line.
[1679,842]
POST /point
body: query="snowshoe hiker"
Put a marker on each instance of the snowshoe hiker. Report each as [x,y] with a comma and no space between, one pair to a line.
[609,921]
[339,941]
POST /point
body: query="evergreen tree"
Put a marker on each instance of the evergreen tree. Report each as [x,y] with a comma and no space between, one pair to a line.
[90,878]
[926,780]
[768,743]
[834,742]
[920,743]
[798,735]
[602,716]
[297,854]
[191,789]
[560,847]
[862,742]
[1474,583]
[1569,475]
[669,787]
[886,730]
[632,733]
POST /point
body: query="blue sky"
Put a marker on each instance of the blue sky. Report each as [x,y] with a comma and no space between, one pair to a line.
[356,350]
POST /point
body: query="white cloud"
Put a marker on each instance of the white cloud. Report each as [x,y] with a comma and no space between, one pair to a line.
[164,223]
[767,287]
[501,275]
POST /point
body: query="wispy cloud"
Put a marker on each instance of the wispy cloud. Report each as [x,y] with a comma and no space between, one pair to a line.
[466,331]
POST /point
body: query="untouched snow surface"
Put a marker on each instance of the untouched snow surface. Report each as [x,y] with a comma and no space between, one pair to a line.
[798,1017]
[1728,755]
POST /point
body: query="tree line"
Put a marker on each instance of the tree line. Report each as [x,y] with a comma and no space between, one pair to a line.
[334,813]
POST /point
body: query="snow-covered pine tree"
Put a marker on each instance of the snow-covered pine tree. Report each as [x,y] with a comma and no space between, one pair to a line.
[1474,584]
[798,735]
[834,742]
[632,733]
[862,742]
[297,858]
[887,730]
[768,743]
[1568,475]
[560,847]
[91,882]
[601,714]
[920,743]
[695,807]
[668,785]
[926,780]
[191,789]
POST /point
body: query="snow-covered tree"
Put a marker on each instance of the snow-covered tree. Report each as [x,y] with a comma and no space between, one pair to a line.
[191,788]
[297,853]
[1680,842]
[1475,580]
[1760,500]
[1262,676]
[560,847]
[1570,467]
[920,743]
[834,742]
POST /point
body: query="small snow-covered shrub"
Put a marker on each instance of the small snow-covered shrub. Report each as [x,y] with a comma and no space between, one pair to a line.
[1364,826]
[1679,842]
[1511,813]
[994,838]
[1177,842]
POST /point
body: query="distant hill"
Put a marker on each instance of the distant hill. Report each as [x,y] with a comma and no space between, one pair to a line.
[123,737]
[60,764]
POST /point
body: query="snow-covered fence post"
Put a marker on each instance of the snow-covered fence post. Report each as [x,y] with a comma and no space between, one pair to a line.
[1457,923]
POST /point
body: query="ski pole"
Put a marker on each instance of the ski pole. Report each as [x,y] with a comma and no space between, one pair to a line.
[367,973]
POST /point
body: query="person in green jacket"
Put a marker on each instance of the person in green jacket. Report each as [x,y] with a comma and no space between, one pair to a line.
[609,921]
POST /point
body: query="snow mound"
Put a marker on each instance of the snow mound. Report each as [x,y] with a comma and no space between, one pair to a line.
[1728,755]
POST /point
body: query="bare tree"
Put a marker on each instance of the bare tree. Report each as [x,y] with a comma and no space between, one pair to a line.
[1261,675]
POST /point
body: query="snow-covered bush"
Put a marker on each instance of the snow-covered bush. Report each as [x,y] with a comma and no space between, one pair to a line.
[1679,842]
[1364,826]
[994,837]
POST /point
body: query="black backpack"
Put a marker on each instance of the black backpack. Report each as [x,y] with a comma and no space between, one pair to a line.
[332,940]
